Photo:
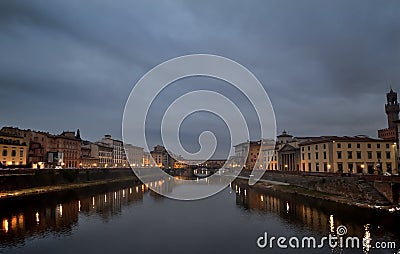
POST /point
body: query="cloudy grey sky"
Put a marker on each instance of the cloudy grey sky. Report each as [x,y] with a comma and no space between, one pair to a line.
[326,65]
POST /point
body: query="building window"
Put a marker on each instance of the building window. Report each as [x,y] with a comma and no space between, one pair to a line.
[387,155]
[349,155]
[316,147]
[369,154]
[304,167]
[339,155]
[21,153]
[379,155]
[339,145]
[13,153]
[325,167]
[302,148]
[378,146]
[387,146]
[358,145]
[324,155]
[348,145]
[316,156]
[302,156]
[358,155]
[309,166]
[4,152]
[317,167]
[308,148]
[324,146]
[309,156]
[369,146]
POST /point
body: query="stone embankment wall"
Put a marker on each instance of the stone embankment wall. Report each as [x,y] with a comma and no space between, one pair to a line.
[13,180]
[353,187]
[389,189]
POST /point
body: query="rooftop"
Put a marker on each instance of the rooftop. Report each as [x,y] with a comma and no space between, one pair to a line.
[359,138]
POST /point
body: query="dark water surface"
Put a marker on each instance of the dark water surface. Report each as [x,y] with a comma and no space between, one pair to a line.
[128,218]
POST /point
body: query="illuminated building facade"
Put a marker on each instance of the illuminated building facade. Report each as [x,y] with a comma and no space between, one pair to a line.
[359,154]
[162,158]
[105,155]
[14,150]
[134,155]
[89,155]
[118,153]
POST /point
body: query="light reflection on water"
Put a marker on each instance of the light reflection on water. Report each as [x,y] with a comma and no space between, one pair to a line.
[130,216]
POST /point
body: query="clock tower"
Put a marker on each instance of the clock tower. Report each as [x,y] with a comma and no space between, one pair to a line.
[392,109]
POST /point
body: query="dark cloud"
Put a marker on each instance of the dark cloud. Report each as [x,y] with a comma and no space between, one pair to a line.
[326,65]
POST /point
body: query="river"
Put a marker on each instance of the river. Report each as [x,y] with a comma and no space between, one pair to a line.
[129,218]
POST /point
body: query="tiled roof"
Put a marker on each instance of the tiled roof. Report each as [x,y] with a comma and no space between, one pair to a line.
[9,135]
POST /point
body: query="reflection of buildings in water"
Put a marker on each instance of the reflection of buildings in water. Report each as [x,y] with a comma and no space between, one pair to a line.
[61,218]
[292,210]
[111,203]
[58,218]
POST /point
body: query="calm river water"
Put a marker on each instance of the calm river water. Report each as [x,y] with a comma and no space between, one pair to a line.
[129,218]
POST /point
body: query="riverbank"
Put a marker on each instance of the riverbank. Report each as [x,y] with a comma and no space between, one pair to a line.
[15,184]
[64,187]
[338,194]
[12,180]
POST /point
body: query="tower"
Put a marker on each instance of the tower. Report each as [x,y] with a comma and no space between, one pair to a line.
[392,109]
[78,134]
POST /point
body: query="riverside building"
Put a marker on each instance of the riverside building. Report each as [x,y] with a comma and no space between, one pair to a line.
[359,154]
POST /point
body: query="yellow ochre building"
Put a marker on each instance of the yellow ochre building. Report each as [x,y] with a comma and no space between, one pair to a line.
[13,150]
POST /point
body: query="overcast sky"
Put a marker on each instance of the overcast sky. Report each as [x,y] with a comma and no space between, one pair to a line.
[326,65]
